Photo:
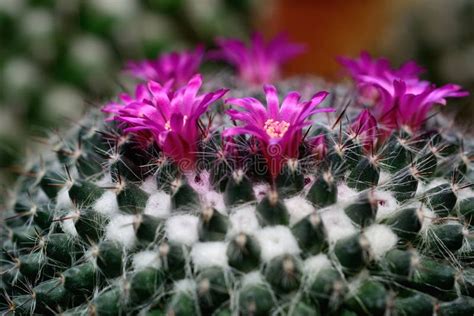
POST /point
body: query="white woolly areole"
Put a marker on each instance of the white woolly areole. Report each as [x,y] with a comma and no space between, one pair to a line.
[381,239]
[105,180]
[185,285]
[387,204]
[338,225]
[421,188]
[208,197]
[41,197]
[158,204]
[384,177]
[244,220]
[436,182]
[120,229]
[149,185]
[314,264]
[215,200]
[182,229]
[63,201]
[260,191]
[298,208]
[146,259]
[464,194]
[345,194]
[107,203]
[251,278]
[275,241]
[68,224]
[425,187]
[466,247]
[209,254]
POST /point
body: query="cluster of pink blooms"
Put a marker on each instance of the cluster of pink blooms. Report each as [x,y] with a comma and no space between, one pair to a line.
[167,107]
[398,98]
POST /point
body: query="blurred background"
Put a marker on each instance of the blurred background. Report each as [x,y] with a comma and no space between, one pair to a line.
[58,57]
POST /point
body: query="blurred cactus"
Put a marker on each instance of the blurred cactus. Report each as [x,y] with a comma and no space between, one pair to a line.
[55,52]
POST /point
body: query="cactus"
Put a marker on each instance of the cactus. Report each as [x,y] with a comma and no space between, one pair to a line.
[191,199]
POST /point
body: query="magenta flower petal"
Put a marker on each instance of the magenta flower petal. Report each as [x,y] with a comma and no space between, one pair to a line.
[169,117]
[248,129]
[409,69]
[399,107]
[251,105]
[364,128]
[439,95]
[278,130]
[289,102]
[398,96]
[258,62]
[175,68]
[272,101]
[319,147]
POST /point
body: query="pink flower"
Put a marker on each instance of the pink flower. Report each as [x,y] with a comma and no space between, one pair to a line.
[364,128]
[365,69]
[399,97]
[172,118]
[278,130]
[365,65]
[131,103]
[129,107]
[258,62]
[400,107]
[318,146]
[177,67]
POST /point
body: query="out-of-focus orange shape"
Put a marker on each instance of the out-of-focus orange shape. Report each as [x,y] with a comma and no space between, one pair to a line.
[330,28]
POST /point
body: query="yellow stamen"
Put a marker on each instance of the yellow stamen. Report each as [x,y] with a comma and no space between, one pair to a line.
[276,129]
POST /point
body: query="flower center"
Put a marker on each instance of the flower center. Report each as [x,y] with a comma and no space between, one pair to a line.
[276,129]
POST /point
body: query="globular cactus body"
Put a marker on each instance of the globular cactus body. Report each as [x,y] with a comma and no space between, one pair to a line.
[337,221]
